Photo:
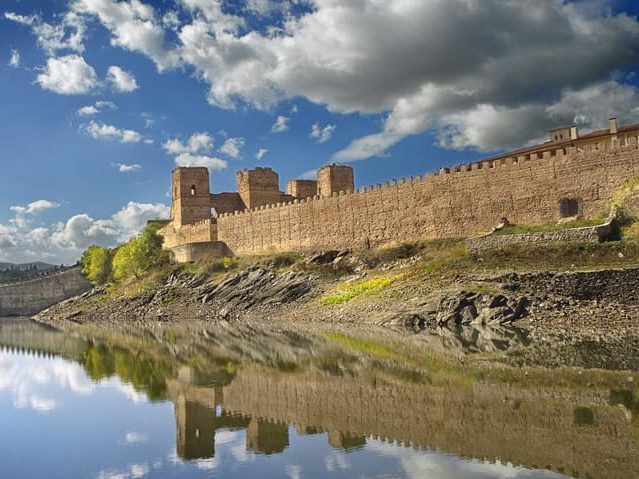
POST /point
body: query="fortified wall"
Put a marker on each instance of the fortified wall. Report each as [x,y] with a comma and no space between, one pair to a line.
[31,297]
[568,176]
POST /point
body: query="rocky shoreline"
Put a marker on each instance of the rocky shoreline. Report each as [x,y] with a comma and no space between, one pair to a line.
[584,319]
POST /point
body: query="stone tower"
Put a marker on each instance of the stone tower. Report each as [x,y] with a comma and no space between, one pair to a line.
[334,178]
[191,195]
[259,186]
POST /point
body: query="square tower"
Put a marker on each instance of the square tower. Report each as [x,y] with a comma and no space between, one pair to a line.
[259,186]
[301,188]
[335,178]
[191,195]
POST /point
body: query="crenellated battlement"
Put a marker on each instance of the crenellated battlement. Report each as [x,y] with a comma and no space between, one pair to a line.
[527,186]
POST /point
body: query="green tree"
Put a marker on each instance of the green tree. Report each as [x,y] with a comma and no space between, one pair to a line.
[140,254]
[96,264]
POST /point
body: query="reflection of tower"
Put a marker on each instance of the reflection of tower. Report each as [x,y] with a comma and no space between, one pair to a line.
[342,440]
[266,437]
[196,425]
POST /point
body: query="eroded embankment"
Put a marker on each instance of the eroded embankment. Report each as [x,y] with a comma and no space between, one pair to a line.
[584,319]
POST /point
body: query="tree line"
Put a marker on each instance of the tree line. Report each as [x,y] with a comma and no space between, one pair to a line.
[131,259]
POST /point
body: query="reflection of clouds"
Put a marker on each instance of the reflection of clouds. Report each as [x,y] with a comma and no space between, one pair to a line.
[126,389]
[25,377]
[336,461]
[134,471]
[135,438]
[225,436]
[293,471]
[207,464]
[36,383]
[417,465]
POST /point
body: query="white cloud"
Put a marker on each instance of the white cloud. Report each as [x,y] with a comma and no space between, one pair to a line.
[121,80]
[408,60]
[102,131]
[198,143]
[14,60]
[125,168]
[64,242]
[260,153]
[68,34]
[281,124]
[68,75]
[81,231]
[133,26]
[98,106]
[322,134]
[35,207]
[210,162]
[22,213]
[232,147]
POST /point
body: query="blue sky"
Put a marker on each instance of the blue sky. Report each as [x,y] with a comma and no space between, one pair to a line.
[100,98]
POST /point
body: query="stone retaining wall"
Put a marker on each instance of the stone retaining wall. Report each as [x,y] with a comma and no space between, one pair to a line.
[31,297]
[589,234]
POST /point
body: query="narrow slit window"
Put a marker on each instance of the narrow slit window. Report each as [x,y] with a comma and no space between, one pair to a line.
[192,190]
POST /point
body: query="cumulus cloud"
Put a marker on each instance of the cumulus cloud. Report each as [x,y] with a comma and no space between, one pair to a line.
[210,162]
[281,124]
[200,142]
[68,75]
[125,168]
[81,231]
[232,147]
[14,59]
[68,34]
[260,153]
[195,152]
[23,212]
[102,131]
[407,60]
[63,242]
[133,26]
[322,134]
[97,107]
[121,80]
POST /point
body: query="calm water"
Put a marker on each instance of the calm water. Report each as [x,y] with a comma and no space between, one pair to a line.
[77,408]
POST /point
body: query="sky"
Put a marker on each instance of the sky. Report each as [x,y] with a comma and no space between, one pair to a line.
[101,99]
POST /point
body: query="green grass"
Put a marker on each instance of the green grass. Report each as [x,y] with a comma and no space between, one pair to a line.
[348,291]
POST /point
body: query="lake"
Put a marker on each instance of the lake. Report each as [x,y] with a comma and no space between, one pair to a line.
[95,405]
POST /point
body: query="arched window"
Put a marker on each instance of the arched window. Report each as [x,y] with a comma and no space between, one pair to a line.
[192,190]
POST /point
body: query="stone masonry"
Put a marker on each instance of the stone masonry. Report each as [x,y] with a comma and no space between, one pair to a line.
[570,175]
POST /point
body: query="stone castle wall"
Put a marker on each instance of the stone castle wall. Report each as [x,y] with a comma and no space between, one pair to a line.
[465,201]
[200,232]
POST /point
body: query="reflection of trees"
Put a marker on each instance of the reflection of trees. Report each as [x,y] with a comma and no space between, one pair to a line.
[148,371]
[146,374]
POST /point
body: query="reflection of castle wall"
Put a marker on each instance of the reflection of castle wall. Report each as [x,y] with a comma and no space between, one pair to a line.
[197,424]
[266,437]
[29,337]
[494,423]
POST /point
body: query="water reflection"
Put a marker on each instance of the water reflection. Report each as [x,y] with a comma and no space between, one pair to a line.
[137,412]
